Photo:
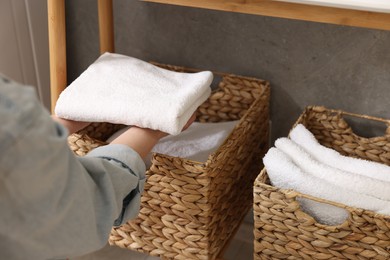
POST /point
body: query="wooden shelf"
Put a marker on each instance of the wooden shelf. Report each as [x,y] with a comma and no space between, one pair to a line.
[57,35]
[314,13]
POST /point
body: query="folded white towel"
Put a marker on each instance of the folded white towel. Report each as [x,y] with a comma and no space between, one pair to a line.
[344,179]
[302,136]
[285,174]
[125,90]
[196,143]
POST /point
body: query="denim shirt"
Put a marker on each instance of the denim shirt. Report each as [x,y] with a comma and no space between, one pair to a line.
[54,204]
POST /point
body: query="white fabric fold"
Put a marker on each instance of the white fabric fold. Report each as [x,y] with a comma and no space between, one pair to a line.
[285,174]
[344,179]
[302,136]
[125,90]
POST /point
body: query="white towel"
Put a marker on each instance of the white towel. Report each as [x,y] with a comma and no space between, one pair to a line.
[285,174]
[196,143]
[344,179]
[302,136]
[125,90]
[323,213]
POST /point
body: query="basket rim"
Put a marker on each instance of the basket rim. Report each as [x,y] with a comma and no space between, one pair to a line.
[340,113]
[319,108]
[222,74]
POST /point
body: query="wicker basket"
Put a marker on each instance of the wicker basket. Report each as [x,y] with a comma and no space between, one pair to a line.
[190,209]
[283,231]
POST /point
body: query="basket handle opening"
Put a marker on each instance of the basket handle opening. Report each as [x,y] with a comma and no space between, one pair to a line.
[323,213]
[363,126]
[367,128]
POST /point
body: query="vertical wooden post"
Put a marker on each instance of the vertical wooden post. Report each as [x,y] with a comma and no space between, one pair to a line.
[57,48]
[106,26]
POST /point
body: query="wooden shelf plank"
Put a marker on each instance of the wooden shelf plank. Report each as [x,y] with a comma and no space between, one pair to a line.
[314,13]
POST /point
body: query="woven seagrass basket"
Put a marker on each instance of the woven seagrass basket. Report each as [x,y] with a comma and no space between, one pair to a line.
[283,231]
[189,209]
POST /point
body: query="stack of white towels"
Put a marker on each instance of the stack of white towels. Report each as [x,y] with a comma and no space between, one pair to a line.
[301,163]
[125,90]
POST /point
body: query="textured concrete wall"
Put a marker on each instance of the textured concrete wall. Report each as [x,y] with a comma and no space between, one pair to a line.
[307,63]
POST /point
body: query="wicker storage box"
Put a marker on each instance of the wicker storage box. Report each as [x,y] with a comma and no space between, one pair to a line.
[283,231]
[190,209]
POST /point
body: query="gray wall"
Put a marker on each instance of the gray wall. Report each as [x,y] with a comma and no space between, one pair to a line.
[24,47]
[307,63]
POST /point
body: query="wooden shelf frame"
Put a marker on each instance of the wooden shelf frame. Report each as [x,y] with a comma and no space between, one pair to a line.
[57,36]
[57,48]
[57,41]
[313,13]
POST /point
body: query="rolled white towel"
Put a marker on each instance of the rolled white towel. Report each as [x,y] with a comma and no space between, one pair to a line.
[125,90]
[285,174]
[344,179]
[302,136]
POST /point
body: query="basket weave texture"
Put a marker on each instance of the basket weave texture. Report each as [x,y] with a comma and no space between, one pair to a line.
[190,209]
[283,231]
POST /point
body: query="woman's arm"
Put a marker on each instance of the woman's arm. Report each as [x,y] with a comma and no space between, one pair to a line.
[53,203]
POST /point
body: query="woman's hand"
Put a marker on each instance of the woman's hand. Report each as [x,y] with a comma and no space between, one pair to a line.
[189,122]
[142,140]
[72,126]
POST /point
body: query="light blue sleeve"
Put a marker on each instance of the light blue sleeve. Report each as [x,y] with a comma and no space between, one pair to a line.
[126,158]
[54,204]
